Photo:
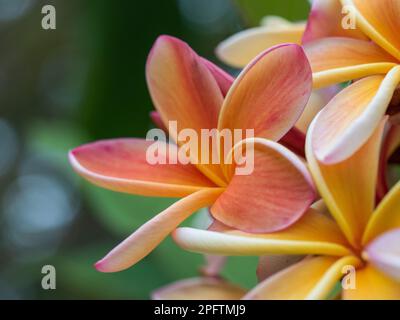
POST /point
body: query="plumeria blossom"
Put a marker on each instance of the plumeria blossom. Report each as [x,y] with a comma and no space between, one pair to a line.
[361,235]
[268,97]
[370,52]
[239,49]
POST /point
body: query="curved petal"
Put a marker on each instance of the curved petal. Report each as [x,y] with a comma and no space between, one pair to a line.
[311,279]
[121,165]
[151,234]
[372,285]
[184,90]
[199,289]
[336,60]
[239,49]
[313,234]
[380,20]
[349,119]
[325,20]
[270,94]
[384,253]
[280,184]
[348,188]
[386,215]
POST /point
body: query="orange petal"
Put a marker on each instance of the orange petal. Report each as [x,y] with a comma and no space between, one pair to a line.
[280,185]
[199,289]
[384,253]
[184,90]
[311,279]
[270,94]
[151,234]
[336,60]
[325,20]
[239,49]
[121,165]
[313,234]
[348,187]
[380,20]
[349,119]
[385,217]
[373,285]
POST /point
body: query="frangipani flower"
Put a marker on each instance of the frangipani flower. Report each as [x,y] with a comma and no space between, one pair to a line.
[239,49]
[361,235]
[268,96]
[337,55]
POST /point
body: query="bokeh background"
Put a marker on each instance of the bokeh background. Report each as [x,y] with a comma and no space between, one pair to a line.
[82,82]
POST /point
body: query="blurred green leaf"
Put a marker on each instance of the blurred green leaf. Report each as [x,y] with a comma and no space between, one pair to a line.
[254,10]
[241,271]
[123,213]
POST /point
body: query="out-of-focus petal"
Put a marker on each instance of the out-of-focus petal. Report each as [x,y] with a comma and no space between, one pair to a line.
[325,20]
[348,187]
[151,234]
[336,60]
[311,279]
[280,185]
[184,90]
[269,265]
[121,165]
[380,20]
[372,284]
[318,100]
[384,253]
[386,215]
[239,49]
[199,289]
[313,234]
[349,119]
[270,94]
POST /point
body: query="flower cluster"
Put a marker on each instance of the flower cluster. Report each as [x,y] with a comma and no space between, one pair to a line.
[318,200]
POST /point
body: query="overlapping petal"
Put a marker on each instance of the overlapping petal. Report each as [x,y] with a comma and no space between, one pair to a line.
[348,187]
[325,20]
[199,289]
[349,119]
[280,185]
[312,279]
[184,90]
[270,94]
[152,233]
[314,233]
[122,165]
[372,284]
[239,49]
[380,20]
[335,60]
[384,253]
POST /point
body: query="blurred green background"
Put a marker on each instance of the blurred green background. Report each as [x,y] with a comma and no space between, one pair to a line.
[82,82]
